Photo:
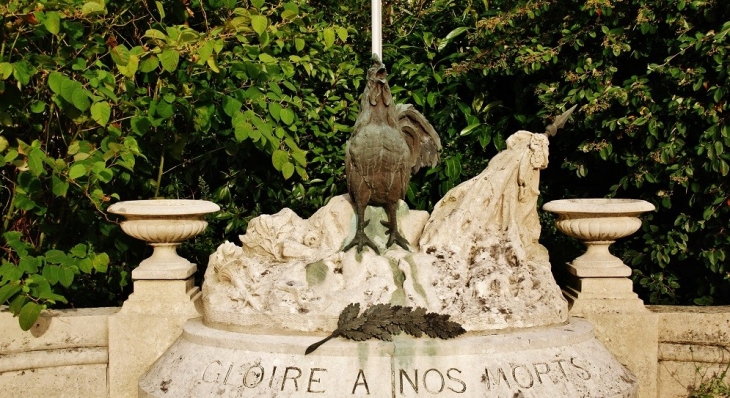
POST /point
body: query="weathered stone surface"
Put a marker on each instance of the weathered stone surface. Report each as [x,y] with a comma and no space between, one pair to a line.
[694,348]
[632,337]
[558,361]
[489,271]
[64,354]
[150,320]
[477,258]
[67,381]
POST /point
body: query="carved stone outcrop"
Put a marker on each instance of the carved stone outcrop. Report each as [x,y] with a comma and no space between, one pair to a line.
[476,258]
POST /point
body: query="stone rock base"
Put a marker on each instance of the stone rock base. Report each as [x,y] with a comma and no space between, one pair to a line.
[558,361]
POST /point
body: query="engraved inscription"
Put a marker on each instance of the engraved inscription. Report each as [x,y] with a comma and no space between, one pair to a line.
[432,381]
[527,376]
[361,382]
[405,381]
[312,380]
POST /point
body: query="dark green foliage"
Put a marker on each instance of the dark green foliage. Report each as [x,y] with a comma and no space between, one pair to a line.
[383,321]
[223,100]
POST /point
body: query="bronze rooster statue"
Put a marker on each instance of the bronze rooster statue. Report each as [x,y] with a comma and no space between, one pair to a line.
[387,144]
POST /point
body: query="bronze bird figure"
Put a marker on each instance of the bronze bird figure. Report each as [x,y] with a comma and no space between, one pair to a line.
[387,144]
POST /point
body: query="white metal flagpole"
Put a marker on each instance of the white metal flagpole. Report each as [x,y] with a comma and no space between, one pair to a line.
[377,22]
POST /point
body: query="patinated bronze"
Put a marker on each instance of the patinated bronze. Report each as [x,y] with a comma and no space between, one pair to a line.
[387,144]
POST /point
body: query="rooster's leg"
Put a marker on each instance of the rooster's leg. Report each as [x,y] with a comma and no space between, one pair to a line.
[392,225]
[361,240]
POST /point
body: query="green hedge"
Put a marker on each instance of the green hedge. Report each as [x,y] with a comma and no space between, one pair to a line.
[248,104]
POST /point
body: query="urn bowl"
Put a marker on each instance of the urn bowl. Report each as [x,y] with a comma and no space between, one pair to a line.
[598,223]
[164,224]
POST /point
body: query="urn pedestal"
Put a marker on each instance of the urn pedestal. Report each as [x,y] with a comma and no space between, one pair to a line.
[165,295]
[598,275]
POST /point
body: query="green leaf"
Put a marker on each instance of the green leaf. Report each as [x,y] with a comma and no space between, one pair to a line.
[68,88]
[329,37]
[22,71]
[55,256]
[279,158]
[453,168]
[131,68]
[17,303]
[29,314]
[169,59]
[267,59]
[50,272]
[101,112]
[213,65]
[300,157]
[257,3]
[259,23]
[231,106]
[149,64]
[120,55]
[52,22]
[8,291]
[6,69]
[451,36]
[105,175]
[55,80]
[35,161]
[29,264]
[80,99]
[76,171]
[65,276]
[299,44]
[92,7]
[275,110]
[38,107]
[160,9]
[287,116]
[341,33]
[165,109]
[287,170]
[79,250]
[468,129]
[101,262]
[242,131]
[85,265]
[140,125]
[59,187]
[155,34]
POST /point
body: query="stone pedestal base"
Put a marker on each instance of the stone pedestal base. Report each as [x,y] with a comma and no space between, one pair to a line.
[616,312]
[601,295]
[558,361]
[149,321]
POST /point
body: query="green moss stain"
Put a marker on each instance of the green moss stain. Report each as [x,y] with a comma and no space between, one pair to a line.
[416,284]
[316,272]
[399,295]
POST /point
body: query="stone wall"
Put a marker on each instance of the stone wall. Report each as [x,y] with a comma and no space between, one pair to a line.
[694,346]
[66,354]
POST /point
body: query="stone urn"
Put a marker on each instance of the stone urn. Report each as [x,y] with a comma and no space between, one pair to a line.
[598,223]
[164,224]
